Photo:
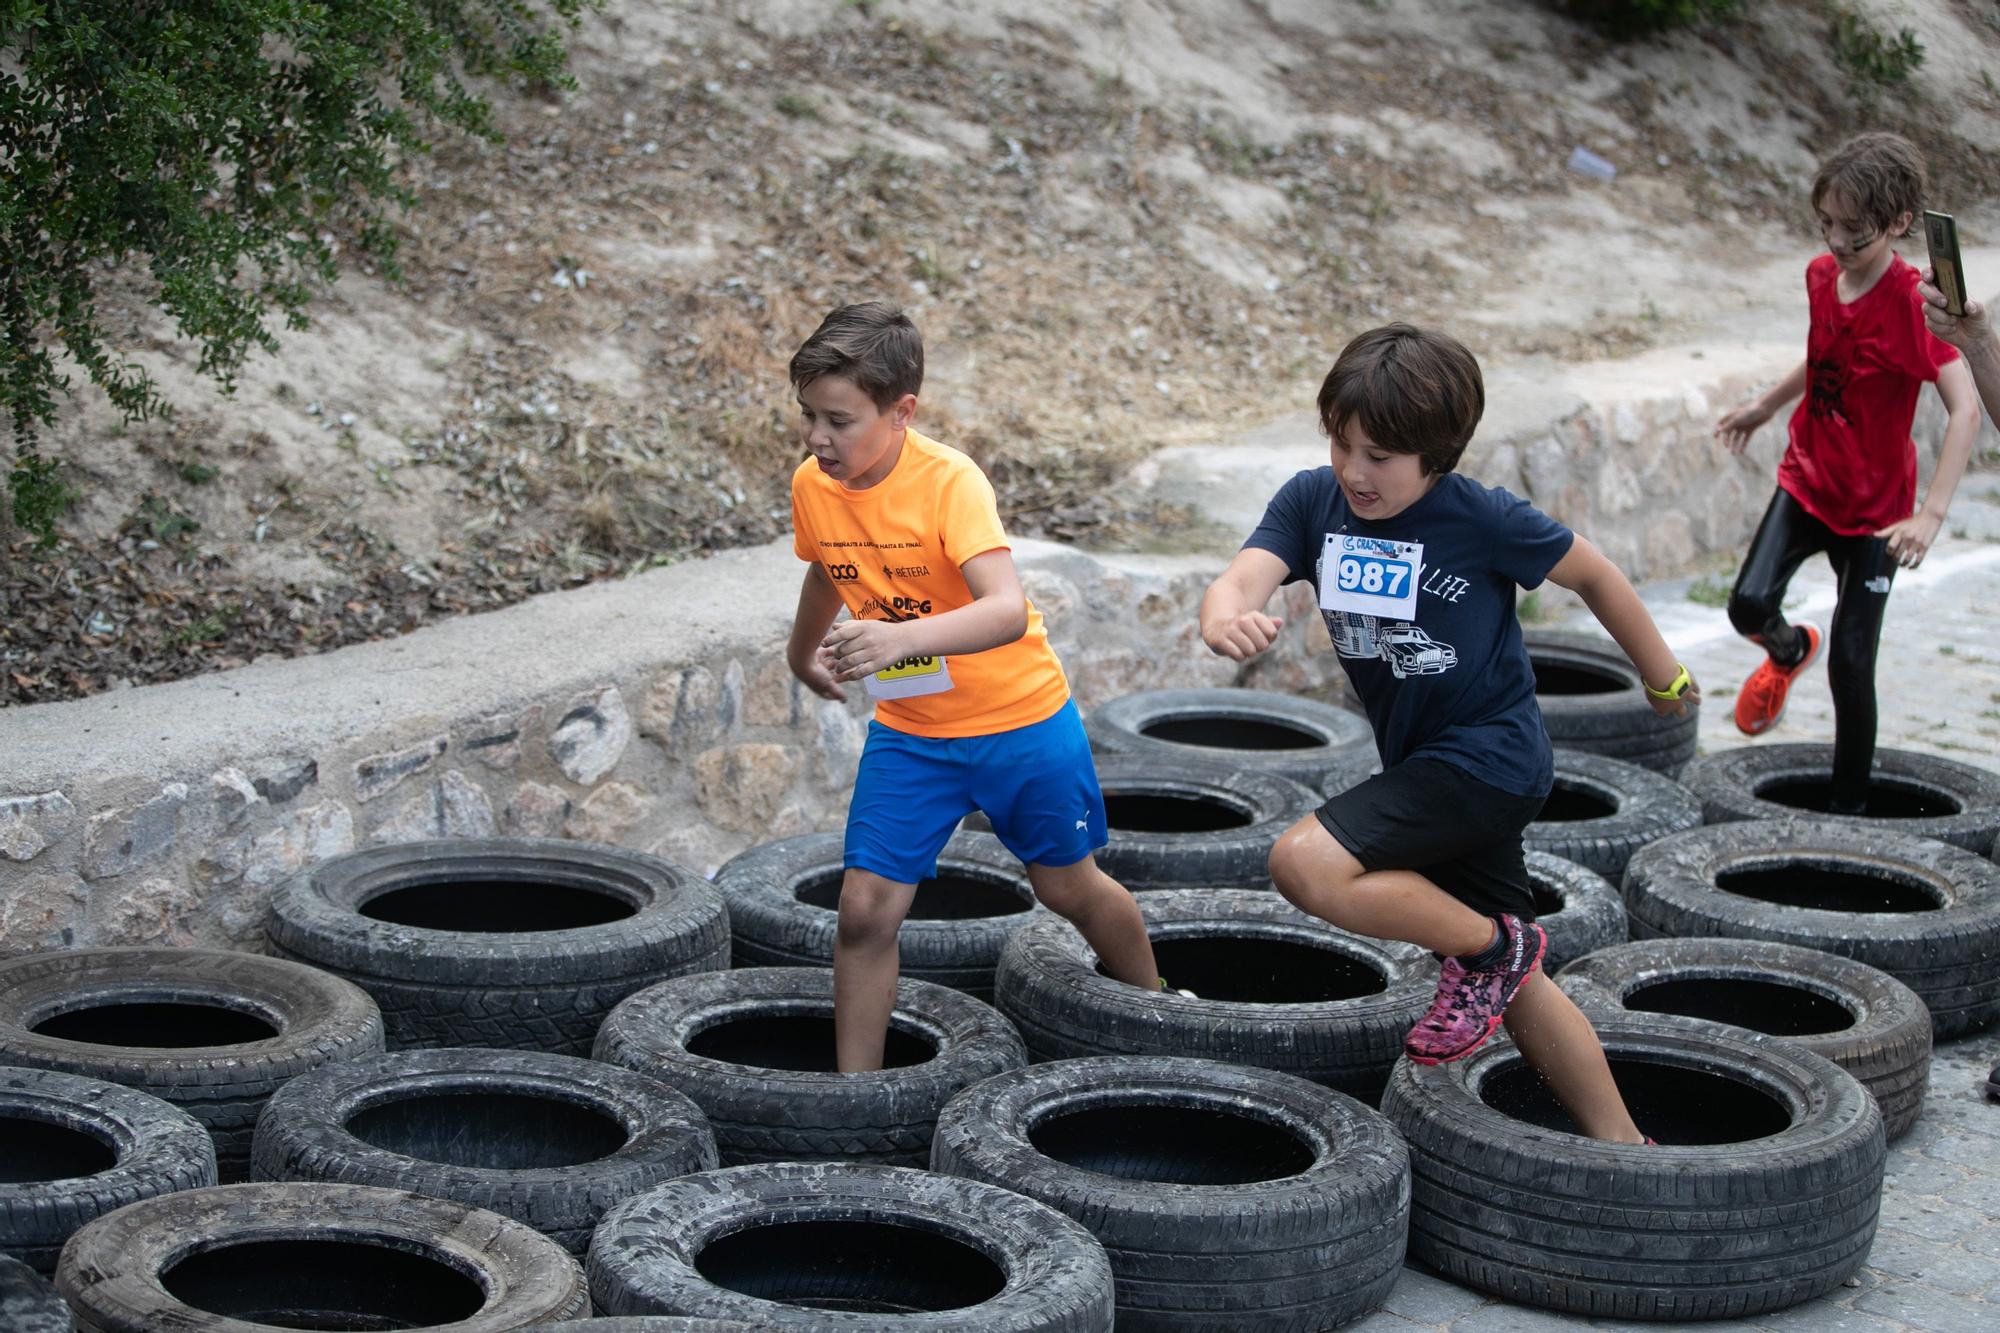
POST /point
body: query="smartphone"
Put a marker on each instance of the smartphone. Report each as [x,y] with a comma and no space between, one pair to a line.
[1941,231]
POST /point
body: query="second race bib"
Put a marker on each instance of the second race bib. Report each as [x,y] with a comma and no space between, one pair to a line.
[1369,576]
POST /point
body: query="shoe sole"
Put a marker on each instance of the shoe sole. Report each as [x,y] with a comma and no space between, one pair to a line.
[1816,641]
[1541,952]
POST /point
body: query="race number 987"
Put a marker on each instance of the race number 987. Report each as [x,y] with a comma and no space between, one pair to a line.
[1373,575]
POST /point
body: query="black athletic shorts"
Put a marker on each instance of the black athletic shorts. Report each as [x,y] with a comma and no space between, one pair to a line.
[1433,817]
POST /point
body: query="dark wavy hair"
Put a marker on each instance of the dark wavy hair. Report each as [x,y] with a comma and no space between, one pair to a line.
[1881,174]
[1413,390]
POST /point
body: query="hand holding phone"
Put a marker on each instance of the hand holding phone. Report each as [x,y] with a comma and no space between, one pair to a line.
[1941,233]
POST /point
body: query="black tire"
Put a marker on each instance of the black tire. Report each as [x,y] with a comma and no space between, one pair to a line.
[1592,698]
[783,899]
[657,1323]
[213,1032]
[1762,1193]
[1925,912]
[1921,795]
[74,1148]
[28,1304]
[1602,810]
[523,943]
[824,1245]
[1178,823]
[549,1140]
[313,1256]
[1225,1197]
[1579,909]
[1262,730]
[1857,1016]
[1277,989]
[754,1049]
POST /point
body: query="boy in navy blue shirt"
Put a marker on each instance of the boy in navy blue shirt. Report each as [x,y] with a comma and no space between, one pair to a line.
[1416,569]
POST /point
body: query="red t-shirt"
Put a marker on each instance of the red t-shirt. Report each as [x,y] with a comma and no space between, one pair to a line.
[1851,462]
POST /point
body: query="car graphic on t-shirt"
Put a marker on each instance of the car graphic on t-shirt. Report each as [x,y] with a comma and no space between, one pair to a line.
[1411,652]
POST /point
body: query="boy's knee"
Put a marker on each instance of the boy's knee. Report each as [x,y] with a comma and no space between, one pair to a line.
[1298,867]
[1749,614]
[1069,890]
[869,911]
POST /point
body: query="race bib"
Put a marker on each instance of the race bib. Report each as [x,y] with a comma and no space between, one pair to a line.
[1369,576]
[909,678]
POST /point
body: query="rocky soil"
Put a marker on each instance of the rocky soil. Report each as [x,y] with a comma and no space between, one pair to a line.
[1120,226]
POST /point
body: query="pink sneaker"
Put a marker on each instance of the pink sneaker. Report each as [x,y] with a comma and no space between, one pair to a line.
[1469,1005]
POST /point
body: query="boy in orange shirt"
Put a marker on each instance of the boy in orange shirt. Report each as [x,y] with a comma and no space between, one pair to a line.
[971,707]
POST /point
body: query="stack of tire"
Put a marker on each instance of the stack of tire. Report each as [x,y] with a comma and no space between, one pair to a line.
[524,1067]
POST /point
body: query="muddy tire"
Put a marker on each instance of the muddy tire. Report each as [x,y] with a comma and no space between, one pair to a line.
[657,1323]
[1592,699]
[1762,1193]
[822,1245]
[28,1304]
[1580,910]
[74,1148]
[213,1032]
[1919,795]
[523,943]
[1602,810]
[784,898]
[1177,824]
[754,1049]
[549,1140]
[1857,1016]
[313,1256]
[1925,912]
[1263,730]
[1224,1197]
[1276,989]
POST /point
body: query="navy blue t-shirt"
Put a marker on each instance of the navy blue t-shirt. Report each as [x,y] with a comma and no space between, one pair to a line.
[1455,683]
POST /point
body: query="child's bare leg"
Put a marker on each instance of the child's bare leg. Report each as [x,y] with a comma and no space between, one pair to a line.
[865,965]
[1560,1043]
[1102,909]
[1318,875]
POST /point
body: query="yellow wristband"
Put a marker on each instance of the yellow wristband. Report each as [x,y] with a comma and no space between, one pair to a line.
[1675,687]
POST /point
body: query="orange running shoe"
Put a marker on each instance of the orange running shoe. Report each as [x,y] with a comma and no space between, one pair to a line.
[1761,701]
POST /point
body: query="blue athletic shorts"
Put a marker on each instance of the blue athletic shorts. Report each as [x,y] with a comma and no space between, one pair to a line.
[1036,783]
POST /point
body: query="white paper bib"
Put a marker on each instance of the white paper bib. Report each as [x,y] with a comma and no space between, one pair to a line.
[909,678]
[1370,576]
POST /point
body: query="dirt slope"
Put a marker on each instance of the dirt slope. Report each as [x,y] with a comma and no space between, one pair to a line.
[1120,225]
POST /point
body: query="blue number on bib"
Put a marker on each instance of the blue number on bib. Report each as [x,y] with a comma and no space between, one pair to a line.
[1373,575]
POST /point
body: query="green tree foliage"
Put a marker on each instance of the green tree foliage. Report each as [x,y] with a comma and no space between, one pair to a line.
[1632,18]
[231,146]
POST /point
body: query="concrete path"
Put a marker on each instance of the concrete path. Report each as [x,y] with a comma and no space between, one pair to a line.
[1935,1266]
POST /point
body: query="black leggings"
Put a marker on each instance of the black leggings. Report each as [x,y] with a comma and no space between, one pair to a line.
[1785,537]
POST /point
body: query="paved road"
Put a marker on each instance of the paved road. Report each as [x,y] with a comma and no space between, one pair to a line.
[1935,1266]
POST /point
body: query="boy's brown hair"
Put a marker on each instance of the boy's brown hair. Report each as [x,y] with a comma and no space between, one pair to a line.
[1880,174]
[874,345]
[1413,390]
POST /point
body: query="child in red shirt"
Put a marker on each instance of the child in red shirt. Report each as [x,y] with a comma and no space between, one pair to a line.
[1848,482]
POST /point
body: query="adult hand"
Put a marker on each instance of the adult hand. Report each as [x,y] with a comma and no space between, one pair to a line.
[1910,540]
[1964,332]
[1736,428]
[1241,637]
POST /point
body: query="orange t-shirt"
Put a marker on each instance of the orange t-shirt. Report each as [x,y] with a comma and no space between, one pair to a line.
[894,551]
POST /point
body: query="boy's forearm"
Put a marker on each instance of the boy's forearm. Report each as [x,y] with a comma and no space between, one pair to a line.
[988,622]
[1961,427]
[1786,389]
[1616,604]
[819,604]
